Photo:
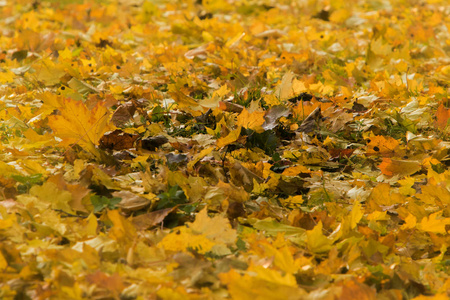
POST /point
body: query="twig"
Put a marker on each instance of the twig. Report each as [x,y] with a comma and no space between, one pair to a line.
[69,215]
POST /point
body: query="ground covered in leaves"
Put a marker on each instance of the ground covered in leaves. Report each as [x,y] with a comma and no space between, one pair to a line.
[224,149]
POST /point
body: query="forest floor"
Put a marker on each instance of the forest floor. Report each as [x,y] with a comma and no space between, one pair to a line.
[224,149]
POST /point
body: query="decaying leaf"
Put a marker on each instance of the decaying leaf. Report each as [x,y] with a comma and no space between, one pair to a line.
[123,114]
[153,218]
[118,140]
[311,121]
[130,201]
[152,143]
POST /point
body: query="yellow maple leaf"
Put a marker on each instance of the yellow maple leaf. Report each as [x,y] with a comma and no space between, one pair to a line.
[90,225]
[65,54]
[261,283]
[433,223]
[182,238]
[284,89]
[230,138]
[217,228]
[123,231]
[50,193]
[252,120]
[391,167]
[77,124]
[382,195]
[295,170]
[410,222]
[434,194]
[47,72]
[317,241]
[406,186]
[356,214]
[205,234]
[7,77]
[185,102]
[283,258]
[380,145]
[3,261]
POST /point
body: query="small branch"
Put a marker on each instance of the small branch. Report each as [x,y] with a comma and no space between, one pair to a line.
[69,215]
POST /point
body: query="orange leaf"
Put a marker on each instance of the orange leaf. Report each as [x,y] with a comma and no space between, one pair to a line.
[382,195]
[294,171]
[382,145]
[435,223]
[352,289]
[442,115]
[391,167]
[113,283]
[252,120]
[77,124]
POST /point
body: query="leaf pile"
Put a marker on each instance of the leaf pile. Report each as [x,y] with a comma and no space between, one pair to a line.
[224,149]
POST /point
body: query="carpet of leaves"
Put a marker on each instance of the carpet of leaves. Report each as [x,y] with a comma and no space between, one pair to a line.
[246,149]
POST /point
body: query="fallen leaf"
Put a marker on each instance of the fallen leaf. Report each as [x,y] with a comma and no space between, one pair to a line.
[118,140]
[311,122]
[154,142]
[272,116]
[442,117]
[391,167]
[435,223]
[380,145]
[78,125]
[317,241]
[148,220]
[123,114]
[130,201]
[230,138]
[252,121]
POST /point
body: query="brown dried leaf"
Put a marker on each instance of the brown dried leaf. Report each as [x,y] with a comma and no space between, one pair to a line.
[148,220]
[130,201]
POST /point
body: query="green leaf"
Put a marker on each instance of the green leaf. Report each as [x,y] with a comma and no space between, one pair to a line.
[174,196]
[102,202]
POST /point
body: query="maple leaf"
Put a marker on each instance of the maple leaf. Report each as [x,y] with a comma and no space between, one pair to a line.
[217,228]
[317,241]
[442,117]
[435,223]
[50,193]
[230,138]
[123,230]
[252,121]
[79,125]
[382,194]
[261,283]
[380,145]
[204,234]
[392,167]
